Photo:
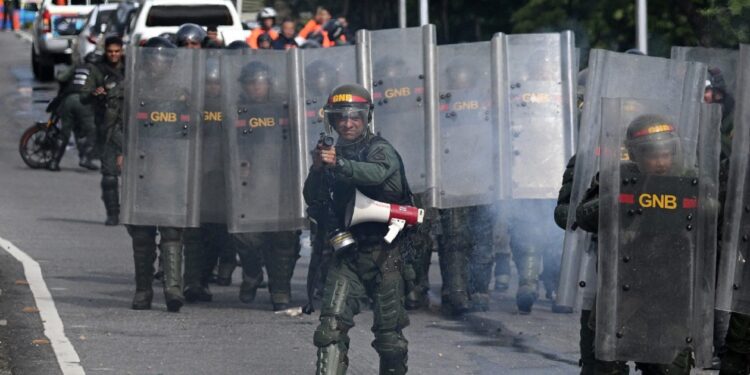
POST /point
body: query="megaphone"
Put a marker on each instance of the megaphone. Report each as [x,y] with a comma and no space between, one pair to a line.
[363,210]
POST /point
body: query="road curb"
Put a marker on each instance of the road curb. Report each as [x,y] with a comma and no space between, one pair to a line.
[24,35]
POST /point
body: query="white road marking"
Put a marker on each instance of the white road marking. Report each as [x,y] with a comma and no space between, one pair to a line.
[67,358]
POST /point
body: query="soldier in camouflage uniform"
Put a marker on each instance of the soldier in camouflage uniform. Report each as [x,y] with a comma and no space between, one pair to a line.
[76,114]
[105,85]
[371,269]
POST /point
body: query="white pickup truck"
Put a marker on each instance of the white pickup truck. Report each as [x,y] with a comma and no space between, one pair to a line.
[157,17]
[55,29]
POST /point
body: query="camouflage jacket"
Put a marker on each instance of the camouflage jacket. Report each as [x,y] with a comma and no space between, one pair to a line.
[371,166]
[112,79]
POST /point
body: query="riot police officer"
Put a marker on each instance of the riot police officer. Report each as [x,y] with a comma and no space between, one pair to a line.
[143,237]
[190,35]
[366,162]
[279,251]
[653,149]
[105,86]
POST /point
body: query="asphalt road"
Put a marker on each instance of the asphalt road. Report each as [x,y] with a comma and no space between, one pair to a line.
[56,218]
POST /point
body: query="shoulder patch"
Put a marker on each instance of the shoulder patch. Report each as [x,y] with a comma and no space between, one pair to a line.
[377,154]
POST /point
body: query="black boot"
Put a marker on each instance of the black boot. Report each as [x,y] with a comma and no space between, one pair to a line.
[144,252]
[57,155]
[86,162]
[144,269]
[171,252]
[249,287]
[111,198]
[195,290]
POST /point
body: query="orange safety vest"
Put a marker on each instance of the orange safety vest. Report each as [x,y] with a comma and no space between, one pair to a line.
[312,27]
[252,40]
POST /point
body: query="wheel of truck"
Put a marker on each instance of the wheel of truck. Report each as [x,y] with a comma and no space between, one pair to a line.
[46,70]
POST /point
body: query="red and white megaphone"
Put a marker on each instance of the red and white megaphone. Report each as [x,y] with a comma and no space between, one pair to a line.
[363,210]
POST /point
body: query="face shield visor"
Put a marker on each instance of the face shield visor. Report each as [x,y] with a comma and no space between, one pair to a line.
[336,115]
[656,153]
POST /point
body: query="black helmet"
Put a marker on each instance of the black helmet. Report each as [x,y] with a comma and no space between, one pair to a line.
[158,55]
[460,76]
[390,67]
[213,71]
[317,75]
[159,42]
[238,44]
[255,71]
[350,99]
[716,80]
[190,32]
[650,133]
[334,29]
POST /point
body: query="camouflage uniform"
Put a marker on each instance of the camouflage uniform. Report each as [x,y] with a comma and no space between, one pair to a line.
[374,269]
[111,106]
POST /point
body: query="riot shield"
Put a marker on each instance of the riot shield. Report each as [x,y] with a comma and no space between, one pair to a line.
[213,195]
[262,144]
[465,128]
[161,174]
[320,70]
[658,203]
[535,83]
[733,288]
[612,74]
[400,63]
[723,59]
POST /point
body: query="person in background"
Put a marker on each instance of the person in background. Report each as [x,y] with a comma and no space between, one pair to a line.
[286,38]
[315,28]
[265,41]
[213,39]
[266,23]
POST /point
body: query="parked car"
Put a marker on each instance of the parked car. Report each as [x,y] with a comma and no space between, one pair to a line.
[92,34]
[54,32]
[122,20]
[157,17]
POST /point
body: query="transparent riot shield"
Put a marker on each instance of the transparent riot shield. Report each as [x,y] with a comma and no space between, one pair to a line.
[399,65]
[658,204]
[536,88]
[534,78]
[320,70]
[161,173]
[723,59]
[612,74]
[213,194]
[262,144]
[733,287]
[465,130]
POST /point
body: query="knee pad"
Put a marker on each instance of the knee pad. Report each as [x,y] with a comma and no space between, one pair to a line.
[330,332]
[391,343]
